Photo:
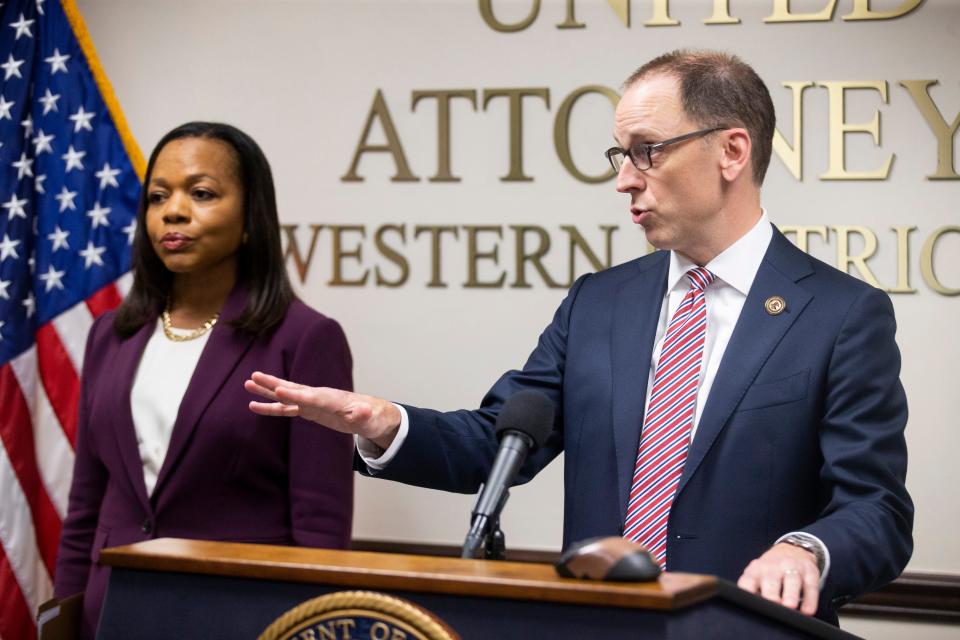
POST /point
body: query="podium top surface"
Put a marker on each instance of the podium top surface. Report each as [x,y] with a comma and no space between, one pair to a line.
[425,574]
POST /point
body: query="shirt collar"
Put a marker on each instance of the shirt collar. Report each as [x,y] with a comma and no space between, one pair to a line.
[737,265]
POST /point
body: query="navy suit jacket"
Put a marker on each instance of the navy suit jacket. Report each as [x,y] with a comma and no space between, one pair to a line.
[802,429]
[229,474]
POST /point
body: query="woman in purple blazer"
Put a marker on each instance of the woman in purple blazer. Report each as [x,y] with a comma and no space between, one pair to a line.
[166,446]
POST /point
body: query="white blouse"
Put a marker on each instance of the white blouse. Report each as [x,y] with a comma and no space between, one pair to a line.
[162,377]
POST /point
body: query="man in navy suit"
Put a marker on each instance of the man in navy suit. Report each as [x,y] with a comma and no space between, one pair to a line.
[793,477]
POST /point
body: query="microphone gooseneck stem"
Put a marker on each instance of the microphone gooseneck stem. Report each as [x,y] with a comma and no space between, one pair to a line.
[475,537]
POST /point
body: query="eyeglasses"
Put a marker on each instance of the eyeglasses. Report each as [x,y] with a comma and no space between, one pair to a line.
[640,154]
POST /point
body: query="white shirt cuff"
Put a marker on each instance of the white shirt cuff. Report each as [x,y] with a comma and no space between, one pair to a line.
[375,457]
[817,541]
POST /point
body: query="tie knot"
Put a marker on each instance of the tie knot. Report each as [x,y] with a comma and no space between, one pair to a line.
[700,278]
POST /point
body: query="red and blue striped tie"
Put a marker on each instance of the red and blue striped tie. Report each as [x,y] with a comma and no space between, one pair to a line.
[669,420]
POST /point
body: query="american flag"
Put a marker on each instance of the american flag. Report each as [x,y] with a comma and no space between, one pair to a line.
[69,180]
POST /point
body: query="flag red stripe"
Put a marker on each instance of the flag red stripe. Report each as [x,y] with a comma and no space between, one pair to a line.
[60,379]
[103,300]
[17,435]
[16,621]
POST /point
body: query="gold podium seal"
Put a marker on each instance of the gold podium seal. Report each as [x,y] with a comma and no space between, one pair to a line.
[357,615]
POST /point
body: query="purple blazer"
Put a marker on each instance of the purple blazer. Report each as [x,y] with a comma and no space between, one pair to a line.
[229,474]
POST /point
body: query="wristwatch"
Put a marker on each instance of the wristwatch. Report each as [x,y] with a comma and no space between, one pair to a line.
[809,544]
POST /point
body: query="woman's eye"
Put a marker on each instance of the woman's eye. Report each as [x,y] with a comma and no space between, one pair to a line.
[202,194]
[155,197]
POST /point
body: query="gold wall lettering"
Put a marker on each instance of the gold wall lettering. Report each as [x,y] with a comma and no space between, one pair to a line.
[534,245]
[621,8]
[903,260]
[379,111]
[475,255]
[845,260]
[721,14]
[292,252]
[945,134]
[443,98]
[578,242]
[861,10]
[486,11]
[561,132]
[535,257]
[515,100]
[436,256]
[392,255]
[839,128]
[791,154]
[781,13]
[570,22]
[339,254]
[927,262]
[660,14]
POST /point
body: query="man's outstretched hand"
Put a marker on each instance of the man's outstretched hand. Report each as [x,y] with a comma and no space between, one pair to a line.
[366,416]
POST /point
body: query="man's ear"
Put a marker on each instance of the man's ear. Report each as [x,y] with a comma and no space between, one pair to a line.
[735,153]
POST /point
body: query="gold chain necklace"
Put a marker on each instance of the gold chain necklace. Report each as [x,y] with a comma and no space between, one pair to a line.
[183,337]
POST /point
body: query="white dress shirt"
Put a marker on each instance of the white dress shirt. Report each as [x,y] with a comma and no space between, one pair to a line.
[735,270]
[162,377]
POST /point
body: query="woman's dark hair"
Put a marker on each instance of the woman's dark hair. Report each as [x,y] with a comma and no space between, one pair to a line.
[259,259]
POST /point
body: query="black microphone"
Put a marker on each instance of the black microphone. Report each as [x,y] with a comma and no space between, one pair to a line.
[523,425]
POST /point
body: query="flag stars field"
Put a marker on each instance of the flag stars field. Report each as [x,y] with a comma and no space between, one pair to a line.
[57,62]
[11,67]
[49,101]
[98,216]
[16,207]
[107,176]
[63,151]
[73,159]
[30,305]
[24,166]
[52,279]
[130,230]
[41,143]
[66,199]
[59,239]
[5,108]
[81,120]
[91,255]
[8,248]
[22,27]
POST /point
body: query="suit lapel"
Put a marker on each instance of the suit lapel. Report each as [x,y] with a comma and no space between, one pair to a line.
[636,315]
[125,365]
[223,350]
[754,338]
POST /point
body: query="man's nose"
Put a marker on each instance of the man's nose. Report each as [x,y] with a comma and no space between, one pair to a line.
[629,178]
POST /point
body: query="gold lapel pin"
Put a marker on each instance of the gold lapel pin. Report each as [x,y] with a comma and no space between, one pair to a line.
[775,305]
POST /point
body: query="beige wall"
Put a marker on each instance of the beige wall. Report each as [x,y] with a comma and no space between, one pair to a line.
[301,78]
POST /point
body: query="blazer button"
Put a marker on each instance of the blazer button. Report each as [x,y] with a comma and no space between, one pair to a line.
[147,526]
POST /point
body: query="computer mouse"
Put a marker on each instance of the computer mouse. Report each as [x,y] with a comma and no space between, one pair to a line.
[612,559]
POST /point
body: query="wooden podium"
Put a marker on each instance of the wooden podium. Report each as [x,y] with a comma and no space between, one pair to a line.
[169,588]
